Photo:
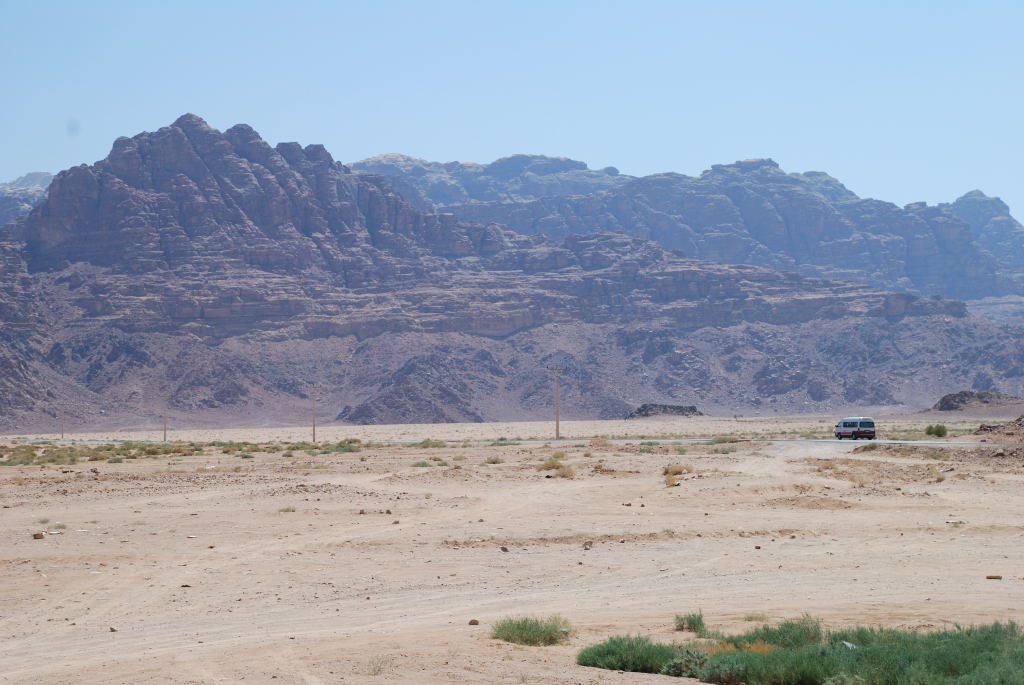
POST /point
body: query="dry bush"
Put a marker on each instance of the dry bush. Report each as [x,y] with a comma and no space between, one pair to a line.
[676,469]
[565,471]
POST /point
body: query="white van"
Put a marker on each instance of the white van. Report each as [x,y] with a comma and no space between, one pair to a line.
[854,427]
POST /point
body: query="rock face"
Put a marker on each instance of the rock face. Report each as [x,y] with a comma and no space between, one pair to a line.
[752,212]
[18,197]
[964,399]
[992,226]
[211,276]
[645,410]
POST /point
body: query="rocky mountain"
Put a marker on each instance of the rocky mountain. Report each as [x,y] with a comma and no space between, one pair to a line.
[18,197]
[517,178]
[992,226]
[752,212]
[216,278]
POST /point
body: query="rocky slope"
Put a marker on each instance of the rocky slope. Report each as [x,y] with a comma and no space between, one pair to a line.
[211,276]
[18,197]
[752,212]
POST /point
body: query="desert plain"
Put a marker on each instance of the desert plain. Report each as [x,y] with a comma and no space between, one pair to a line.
[276,562]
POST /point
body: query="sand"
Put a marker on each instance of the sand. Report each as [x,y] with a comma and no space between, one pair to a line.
[361,568]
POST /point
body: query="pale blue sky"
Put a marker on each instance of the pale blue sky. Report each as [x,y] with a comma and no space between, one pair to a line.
[903,101]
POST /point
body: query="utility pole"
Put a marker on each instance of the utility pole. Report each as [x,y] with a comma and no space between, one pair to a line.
[62,425]
[312,409]
[558,400]
[165,427]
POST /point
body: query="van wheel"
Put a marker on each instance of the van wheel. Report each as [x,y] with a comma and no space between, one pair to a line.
[839,437]
[853,437]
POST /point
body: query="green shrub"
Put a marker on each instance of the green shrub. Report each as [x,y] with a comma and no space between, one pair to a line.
[804,631]
[688,661]
[115,460]
[421,464]
[691,622]
[801,653]
[347,445]
[429,443]
[634,654]
[940,431]
[526,630]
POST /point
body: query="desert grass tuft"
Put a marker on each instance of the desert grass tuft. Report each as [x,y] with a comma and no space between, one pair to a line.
[693,622]
[430,444]
[527,630]
[565,471]
[378,665]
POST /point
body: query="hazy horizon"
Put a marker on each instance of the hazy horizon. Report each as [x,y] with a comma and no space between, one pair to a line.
[903,103]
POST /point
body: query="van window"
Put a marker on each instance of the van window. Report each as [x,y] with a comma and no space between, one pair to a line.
[849,424]
[867,424]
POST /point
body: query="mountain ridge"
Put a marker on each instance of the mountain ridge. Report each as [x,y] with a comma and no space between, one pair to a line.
[212,277]
[752,212]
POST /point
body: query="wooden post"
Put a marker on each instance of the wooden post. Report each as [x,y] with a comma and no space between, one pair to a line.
[312,400]
[558,402]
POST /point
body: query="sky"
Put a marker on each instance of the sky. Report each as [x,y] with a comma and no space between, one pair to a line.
[902,101]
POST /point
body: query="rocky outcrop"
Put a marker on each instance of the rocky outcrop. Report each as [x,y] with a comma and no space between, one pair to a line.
[752,212]
[18,197]
[966,399]
[646,410]
[211,276]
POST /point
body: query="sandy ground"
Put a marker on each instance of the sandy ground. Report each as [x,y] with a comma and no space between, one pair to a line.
[361,568]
